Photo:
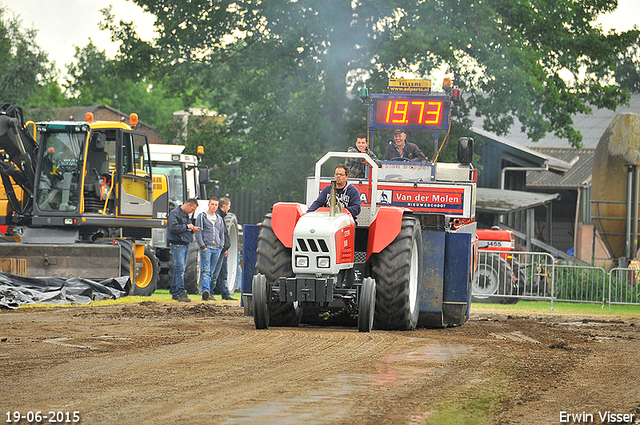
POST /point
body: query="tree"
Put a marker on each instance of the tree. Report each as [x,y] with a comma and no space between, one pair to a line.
[24,64]
[89,80]
[628,72]
[283,71]
[95,79]
[537,61]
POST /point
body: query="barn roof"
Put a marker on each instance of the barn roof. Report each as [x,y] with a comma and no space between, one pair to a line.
[579,175]
[532,155]
[591,126]
[496,201]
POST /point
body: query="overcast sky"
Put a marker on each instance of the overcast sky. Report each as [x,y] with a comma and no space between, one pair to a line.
[65,24]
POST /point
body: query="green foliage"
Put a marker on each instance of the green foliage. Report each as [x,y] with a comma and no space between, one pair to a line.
[95,79]
[588,285]
[286,74]
[283,72]
[559,308]
[596,286]
[277,125]
[88,77]
[473,406]
[628,72]
[515,58]
[137,63]
[625,287]
[24,64]
[47,97]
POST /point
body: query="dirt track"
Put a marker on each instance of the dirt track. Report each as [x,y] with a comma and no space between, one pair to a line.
[205,363]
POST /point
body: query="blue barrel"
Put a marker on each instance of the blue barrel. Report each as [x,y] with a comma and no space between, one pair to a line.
[250,245]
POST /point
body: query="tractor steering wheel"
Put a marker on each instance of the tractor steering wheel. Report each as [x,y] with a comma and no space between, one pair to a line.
[400,158]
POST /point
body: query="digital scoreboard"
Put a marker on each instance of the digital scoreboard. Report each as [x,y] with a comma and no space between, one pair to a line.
[411,111]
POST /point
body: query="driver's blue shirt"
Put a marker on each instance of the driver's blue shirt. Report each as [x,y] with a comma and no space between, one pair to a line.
[349,196]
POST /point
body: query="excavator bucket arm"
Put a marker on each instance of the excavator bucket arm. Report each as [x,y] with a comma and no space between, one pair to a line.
[17,162]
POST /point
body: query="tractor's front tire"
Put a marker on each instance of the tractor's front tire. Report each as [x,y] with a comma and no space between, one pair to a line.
[397,270]
[367,305]
[260,298]
[273,260]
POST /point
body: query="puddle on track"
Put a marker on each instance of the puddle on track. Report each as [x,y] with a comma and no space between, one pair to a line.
[325,397]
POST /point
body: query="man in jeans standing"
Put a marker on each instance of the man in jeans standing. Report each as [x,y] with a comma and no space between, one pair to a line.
[210,241]
[220,272]
[180,234]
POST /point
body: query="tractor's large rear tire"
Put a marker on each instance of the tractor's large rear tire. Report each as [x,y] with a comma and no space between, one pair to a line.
[273,260]
[127,260]
[397,270]
[147,281]
[164,280]
[493,278]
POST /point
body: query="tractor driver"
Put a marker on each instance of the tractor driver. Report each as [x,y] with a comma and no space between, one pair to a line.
[346,193]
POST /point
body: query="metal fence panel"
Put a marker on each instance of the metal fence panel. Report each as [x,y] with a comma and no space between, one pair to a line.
[624,286]
[535,275]
[580,284]
[506,276]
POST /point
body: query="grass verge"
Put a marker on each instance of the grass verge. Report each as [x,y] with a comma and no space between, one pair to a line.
[559,308]
[160,295]
[522,307]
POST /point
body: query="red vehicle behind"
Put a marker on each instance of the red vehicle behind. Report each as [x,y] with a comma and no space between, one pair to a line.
[496,280]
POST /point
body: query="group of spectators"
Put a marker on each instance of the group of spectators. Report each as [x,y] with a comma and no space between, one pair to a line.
[213,241]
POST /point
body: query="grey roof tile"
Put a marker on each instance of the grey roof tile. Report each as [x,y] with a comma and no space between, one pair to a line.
[591,126]
[579,175]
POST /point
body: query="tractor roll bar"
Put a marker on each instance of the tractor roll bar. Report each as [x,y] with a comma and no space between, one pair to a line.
[373,172]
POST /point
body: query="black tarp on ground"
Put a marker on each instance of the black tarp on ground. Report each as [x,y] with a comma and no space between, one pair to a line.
[16,290]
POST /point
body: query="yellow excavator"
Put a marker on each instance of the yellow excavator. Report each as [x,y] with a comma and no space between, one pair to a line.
[78,192]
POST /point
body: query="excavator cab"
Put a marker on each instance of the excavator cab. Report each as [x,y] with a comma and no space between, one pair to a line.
[60,173]
[93,168]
